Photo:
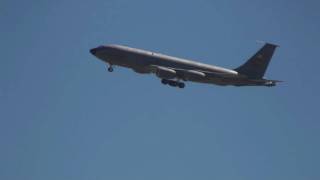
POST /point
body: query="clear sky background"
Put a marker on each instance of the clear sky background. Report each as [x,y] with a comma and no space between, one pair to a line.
[63,116]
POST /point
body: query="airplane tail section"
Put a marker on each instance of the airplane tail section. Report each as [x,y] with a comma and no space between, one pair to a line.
[257,65]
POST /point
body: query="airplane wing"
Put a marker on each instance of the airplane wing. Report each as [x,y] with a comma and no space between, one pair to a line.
[184,74]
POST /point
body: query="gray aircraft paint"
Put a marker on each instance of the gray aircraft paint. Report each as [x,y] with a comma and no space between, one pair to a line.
[173,70]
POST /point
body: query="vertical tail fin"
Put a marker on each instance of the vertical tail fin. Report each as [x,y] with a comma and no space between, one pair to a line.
[257,65]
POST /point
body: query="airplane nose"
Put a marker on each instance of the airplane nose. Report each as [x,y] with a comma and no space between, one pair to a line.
[93,51]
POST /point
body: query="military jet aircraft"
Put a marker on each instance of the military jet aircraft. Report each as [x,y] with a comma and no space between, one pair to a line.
[175,71]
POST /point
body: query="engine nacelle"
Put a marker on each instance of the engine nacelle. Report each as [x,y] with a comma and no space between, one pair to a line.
[165,73]
[193,75]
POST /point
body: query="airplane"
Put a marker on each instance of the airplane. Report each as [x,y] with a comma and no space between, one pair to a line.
[175,71]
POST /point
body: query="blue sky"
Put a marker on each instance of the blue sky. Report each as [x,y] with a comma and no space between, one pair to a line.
[63,116]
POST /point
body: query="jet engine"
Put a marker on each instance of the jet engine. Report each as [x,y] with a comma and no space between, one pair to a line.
[193,75]
[165,73]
